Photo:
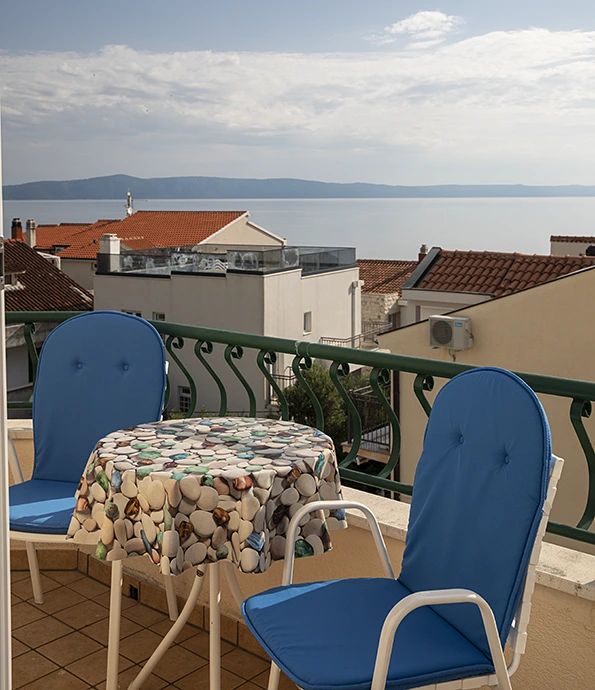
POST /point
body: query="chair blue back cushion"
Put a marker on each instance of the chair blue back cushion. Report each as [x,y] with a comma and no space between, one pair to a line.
[478,495]
[97,373]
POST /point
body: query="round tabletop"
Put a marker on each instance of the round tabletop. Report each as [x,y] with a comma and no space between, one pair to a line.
[203,490]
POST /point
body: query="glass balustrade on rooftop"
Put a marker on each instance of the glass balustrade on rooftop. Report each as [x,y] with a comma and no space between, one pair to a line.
[165,261]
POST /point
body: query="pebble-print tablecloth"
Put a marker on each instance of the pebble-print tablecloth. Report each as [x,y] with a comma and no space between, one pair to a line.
[202,490]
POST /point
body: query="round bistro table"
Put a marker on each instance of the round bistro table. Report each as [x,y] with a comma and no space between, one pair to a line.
[203,492]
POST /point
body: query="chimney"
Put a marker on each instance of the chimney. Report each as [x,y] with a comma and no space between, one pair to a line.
[108,258]
[16,229]
[423,252]
[31,233]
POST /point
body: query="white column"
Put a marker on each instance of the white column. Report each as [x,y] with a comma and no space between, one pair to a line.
[5,641]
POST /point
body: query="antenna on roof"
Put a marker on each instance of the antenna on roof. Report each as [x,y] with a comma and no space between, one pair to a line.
[129,209]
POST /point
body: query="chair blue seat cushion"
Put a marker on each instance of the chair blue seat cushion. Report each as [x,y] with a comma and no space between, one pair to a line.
[324,635]
[42,506]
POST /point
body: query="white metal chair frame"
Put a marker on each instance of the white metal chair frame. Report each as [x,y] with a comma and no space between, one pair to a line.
[517,637]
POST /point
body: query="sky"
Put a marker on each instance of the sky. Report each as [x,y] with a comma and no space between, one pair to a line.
[462,92]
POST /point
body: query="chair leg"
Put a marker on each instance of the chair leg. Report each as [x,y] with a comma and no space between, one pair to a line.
[173,632]
[170,592]
[34,571]
[274,677]
[115,612]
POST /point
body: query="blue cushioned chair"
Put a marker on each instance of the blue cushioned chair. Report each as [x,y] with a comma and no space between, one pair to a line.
[97,373]
[483,490]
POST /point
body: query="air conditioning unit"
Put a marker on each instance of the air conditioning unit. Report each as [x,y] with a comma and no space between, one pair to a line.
[451,332]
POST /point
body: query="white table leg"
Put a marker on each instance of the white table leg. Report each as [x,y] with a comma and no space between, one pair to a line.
[230,571]
[170,592]
[115,611]
[215,626]
[173,632]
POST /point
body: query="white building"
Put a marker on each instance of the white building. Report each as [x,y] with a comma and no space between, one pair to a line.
[288,292]
[77,244]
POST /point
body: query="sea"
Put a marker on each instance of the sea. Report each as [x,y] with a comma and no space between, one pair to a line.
[377,228]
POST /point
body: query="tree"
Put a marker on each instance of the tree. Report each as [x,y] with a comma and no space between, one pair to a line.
[333,407]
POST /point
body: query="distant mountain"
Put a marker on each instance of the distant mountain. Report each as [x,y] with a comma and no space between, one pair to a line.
[116,186]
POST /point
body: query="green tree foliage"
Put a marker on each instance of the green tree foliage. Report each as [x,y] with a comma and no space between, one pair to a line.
[333,407]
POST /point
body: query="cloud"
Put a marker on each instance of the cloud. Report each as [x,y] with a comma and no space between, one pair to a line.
[426,29]
[515,95]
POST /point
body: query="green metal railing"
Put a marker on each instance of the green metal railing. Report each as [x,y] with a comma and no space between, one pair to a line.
[581,394]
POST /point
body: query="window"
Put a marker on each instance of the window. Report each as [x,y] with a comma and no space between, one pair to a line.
[158,316]
[308,322]
[184,399]
[132,313]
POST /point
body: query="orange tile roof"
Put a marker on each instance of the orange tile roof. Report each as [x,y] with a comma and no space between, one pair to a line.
[40,286]
[572,238]
[141,230]
[384,276]
[496,273]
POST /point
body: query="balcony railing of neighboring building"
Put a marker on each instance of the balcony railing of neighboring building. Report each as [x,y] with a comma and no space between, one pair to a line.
[375,423]
[199,342]
[367,338]
[262,260]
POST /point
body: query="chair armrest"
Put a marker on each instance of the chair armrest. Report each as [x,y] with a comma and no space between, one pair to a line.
[332,505]
[435,598]
[13,462]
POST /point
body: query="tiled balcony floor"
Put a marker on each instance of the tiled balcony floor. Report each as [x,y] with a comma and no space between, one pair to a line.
[62,644]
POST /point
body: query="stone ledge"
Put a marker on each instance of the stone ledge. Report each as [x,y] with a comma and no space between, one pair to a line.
[559,568]
[20,429]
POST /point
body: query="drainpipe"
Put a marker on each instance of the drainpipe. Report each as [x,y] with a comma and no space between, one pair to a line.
[356,313]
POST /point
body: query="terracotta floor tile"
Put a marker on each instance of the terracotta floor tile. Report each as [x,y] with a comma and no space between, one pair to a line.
[284,683]
[199,644]
[249,686]
[143,615]
[29,667]
[70,648]
[243,664]
[18,575]
[140,646]
[14,600]
[22,588]
[82,615]
[199,680]
[18,648]
[103,599]
[93,668]
[42,632]
[162,628]
[23,614]
[89,588]
[125,678]
[99,631]
[177,663]
[59,599]
[58,680]
[64,577]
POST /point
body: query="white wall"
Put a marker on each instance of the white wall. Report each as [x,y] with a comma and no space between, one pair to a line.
[243,232]
[417,305]
[81,271]
[569,248]
[271,305]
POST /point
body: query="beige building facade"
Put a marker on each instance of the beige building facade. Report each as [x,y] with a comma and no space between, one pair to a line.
[544,330]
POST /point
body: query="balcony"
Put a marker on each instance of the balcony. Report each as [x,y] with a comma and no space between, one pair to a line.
[561,632]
